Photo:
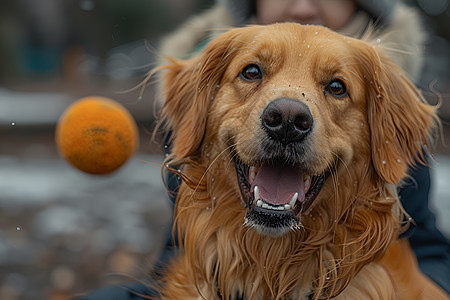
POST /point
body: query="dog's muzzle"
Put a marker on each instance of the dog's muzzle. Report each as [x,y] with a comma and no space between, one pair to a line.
[279,189]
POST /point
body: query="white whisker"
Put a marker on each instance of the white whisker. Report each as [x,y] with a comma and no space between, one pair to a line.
[209,167]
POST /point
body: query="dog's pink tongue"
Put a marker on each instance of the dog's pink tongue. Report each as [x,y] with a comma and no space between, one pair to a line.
[278,183]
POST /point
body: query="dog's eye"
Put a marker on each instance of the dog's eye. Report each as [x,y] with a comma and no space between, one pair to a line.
[337,88]
[251,72]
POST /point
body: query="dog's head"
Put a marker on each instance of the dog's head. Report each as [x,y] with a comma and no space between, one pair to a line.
[291,110]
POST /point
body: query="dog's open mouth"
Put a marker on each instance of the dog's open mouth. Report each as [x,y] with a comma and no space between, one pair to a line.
[276,195]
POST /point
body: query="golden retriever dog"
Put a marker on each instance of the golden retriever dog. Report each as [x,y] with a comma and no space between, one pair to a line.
[290,142]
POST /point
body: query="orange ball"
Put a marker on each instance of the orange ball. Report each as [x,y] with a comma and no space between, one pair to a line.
[96,135]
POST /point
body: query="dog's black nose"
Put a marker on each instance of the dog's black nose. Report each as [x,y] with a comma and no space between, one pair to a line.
[287,120]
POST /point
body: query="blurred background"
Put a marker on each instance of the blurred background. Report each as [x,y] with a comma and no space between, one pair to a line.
[63,232]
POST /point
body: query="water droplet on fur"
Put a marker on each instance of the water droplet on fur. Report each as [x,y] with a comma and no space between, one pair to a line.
[384,162]
[18,228]
[378,96]
[166,146]
[398,160]
[300,54]
[378,41]
[13,124]
[387,142]
[308,46]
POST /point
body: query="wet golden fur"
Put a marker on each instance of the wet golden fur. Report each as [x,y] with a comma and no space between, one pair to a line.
[368,139]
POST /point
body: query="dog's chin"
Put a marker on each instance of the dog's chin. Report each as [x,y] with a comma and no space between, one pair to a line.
[272,223]
[277,196]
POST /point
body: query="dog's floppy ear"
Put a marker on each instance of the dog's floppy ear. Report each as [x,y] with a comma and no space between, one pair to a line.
[400,120]
[189,88]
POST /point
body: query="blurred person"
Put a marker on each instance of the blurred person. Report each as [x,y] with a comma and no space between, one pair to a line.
[395,26]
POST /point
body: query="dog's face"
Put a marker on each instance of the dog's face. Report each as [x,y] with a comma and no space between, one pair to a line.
[290,109]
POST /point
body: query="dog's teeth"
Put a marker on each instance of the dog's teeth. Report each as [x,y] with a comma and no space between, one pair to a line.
[256,193]
[265,205]
[252,173]
[259,203]
[307,183]
[287,207]
[293,200]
